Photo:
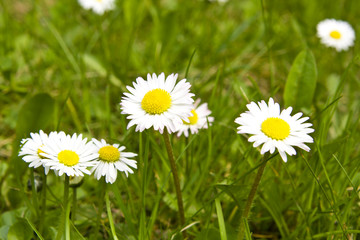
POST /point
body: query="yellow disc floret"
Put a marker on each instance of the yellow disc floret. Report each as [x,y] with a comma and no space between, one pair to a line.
[40,151]
[335,34]
[156,101]
[68,158]
[275,128]
[109,154]
[193,119]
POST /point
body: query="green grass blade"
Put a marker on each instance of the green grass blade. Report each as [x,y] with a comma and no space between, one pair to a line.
[34,229]
[64,47]
[220,219]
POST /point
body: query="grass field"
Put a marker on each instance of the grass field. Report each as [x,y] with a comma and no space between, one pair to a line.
[64,68]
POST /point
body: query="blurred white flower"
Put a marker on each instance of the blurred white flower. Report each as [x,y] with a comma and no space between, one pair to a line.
[198,121]
[220,1]
[336,33]
[31,152]
[98,6]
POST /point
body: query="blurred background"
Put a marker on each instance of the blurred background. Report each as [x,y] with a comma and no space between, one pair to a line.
[65,68]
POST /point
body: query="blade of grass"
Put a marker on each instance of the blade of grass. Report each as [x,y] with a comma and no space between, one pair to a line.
[127,215]
[110,217]
[220,219]
[247,229]
[34,229]
[296,197]
[144,158]
[279,220]
[325,171]
[63,46]
[189,64]
[347,176]
[326,196]
[332,233]
[74,115]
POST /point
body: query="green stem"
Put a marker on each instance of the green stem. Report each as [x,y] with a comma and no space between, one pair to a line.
[34,192]
[251,196]
[66,207]
[108,208]
[176,180]
[43,203]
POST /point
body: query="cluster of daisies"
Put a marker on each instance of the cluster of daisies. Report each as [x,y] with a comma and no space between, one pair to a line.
[164,105]
[158,102]
[161,103]
[75,156]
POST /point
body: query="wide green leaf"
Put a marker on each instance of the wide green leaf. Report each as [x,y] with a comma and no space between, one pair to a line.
[35,114]
[20,231]
[301,81]
[208,234]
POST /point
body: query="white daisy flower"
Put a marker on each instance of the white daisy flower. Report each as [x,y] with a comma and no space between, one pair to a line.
[111,159]
[98,6]
[198,121]
[158,103]
[219,1]
[31,151]
[275,129]
[336,33]
[67,154]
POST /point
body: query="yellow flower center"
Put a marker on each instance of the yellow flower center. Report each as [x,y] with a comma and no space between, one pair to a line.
[192,120]
[109,154]
[156,101]
[40,151]
[68,158]
[335,34]
[275,128]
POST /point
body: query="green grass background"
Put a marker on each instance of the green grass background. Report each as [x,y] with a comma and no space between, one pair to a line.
[65,68]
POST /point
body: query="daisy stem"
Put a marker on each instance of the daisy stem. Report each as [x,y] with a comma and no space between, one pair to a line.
[108,208]
[66,207]
[176,180]
[251,195]
[43,203]
[34,192]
